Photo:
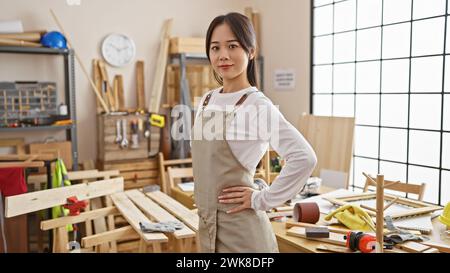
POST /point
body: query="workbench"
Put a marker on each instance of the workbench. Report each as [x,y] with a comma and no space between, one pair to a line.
[287,243]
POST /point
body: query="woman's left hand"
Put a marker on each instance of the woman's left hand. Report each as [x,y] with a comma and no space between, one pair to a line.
[237,195]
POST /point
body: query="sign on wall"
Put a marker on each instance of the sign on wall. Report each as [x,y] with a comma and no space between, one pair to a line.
[284,79]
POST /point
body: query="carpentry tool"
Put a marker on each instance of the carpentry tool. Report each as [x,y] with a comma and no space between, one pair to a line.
[157,120]
[83,68]
[134,135]
[5,102]
[20,105]
[306,212]
[317,232]
[360,241]
[147,129]
[118,135]
[74,246]
[124,143]
[74,205]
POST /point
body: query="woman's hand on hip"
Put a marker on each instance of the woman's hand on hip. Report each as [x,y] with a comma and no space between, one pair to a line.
[237,195]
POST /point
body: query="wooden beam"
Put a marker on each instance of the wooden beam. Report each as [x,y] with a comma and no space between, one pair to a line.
[140,87]
[156,212]
[108,236]
[35,201]
[160,70]
[33,164]
[134,216]
[176,208]
[82,217]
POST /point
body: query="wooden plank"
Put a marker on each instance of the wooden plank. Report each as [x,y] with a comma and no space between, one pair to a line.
[132,166]
[332,229]
[108,236]
[156,212]
[335,238]
[412,247]
[35,201]
[140,174]
[82,217]
[119,83]
[134,216]
[445,248]
[158,79]
[332,140]
[175,208]
[34,164]
[98,83]
[140,89]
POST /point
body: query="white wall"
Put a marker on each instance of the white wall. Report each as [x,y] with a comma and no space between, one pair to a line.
[286,45]
[285,39]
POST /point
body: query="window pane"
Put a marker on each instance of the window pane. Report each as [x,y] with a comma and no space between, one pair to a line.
[323,48]
[445,190]
[395,76]
[394,110]
[367,109]
[446,112]
[344,78]
[322,105]
[369,44]
[446,151]
[343,105]
[428,8]
[447,50]
[366,141]
[393,171]
[323,20]
[428,37]
[425,112]
[447,74]
[369,166]
[322,78]
[424,148]
[344,47]
[344,16]
[426,74]
[368,77]
[396,11]
[396,40]
[419,175]
[322,2]
[393,144]
[369,13]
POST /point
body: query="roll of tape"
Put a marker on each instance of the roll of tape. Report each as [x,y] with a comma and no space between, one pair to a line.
[306,212]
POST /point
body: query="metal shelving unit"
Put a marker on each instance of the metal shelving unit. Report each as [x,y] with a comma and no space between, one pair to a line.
[69,95]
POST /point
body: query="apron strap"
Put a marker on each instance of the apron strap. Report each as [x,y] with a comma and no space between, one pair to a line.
[239,102]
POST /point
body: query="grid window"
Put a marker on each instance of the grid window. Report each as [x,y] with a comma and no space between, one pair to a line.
[387,64]
[395,11]
[344,78]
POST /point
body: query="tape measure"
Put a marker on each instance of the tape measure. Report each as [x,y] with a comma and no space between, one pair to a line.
[360,241]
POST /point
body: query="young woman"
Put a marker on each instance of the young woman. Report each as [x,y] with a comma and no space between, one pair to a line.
[226,147]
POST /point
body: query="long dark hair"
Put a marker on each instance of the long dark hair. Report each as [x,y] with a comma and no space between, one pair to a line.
[242,28]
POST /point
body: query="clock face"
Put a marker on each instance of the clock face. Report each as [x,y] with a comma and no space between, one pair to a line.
[118,49]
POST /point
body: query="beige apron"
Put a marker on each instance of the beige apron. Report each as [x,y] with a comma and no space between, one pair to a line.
[216,168]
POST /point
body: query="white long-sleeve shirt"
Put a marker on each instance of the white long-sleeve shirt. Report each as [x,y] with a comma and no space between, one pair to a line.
[249,145]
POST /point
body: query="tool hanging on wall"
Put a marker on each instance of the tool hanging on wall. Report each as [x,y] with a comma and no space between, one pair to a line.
[118,135]
[124,142]
[134,134]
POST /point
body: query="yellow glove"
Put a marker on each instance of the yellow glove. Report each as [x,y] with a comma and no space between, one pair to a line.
[353,217]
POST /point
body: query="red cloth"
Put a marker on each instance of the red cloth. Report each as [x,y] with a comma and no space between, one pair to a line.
[12,181]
